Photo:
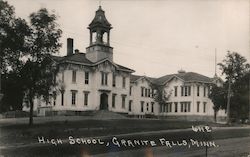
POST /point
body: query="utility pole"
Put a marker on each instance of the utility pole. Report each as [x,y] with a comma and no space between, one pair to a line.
[228,100]
[1,94]
[215,62]
[249,95]
[1,53]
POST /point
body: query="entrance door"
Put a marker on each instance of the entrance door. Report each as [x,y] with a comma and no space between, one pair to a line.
[104,101]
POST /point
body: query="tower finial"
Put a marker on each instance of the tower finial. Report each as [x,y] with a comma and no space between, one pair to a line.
[215,63]
[100,3]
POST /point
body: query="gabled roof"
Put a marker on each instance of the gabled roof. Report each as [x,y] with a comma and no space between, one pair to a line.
[77,57]
[192,76]
[152,79]
[186,77]
[135,78]
[124,68]
[163,79]
[80,58]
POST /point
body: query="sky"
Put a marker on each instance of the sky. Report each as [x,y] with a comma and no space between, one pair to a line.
[156,37]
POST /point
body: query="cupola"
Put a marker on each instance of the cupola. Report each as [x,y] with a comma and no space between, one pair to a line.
[99,46]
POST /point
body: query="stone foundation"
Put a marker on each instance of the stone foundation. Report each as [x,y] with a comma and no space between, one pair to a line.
[193,118]
[69,113]
[149,116]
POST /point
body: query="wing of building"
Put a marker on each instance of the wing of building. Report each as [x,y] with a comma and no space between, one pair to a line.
[92,81]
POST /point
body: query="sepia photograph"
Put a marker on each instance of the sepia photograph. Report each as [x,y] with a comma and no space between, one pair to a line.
[124,78]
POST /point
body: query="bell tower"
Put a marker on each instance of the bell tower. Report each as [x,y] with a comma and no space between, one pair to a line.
[99,45]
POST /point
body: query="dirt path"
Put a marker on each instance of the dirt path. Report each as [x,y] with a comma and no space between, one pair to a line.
[235,147]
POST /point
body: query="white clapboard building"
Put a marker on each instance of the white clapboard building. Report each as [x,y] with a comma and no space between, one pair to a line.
[92,81]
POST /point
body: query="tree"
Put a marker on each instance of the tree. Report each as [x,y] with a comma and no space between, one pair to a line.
[160,95]
[13,35]
[234,67]
[240,97]
[13,92]
[218,97]
[39,70]
[25,54]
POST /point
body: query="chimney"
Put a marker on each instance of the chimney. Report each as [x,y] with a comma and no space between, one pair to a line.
[181,71]
[70,45]
[77,51]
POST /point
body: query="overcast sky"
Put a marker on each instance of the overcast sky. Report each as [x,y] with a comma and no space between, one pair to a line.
[158,37]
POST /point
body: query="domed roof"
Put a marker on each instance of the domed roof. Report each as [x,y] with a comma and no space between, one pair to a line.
[100,20]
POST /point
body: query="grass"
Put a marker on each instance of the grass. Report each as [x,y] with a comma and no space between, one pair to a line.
[22,133]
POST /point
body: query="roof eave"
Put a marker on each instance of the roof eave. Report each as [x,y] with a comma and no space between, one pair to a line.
[94,64]
[79,63]
[192,81]
[165,82]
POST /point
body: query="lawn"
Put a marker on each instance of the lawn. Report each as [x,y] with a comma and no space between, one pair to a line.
[22,133]
[15,133]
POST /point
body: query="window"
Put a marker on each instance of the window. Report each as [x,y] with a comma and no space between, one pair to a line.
[130,105]
[185,90]
[185,106]
[86,77]
[176,107]
[123,101]
[142,91]
[189,90]
[73,97]
[152,94]
[104,78]
[62,98]
[113,100]
[152,107]
[114,80]
[124,82]
[182,91]
[188,106]
[182,106]
[198,90]
[74,76]
[147,106]
[54,98]
[54,101]
[86,95]
[205,89]
[169,107]
[175,90]
[130,90]
[146,92]
[142,106]
[204,107]
[198,106]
